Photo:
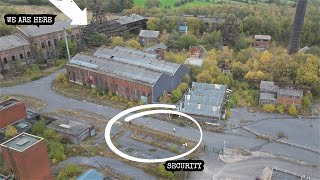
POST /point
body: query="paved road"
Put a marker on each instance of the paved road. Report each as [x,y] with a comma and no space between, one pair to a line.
[117,166]
[42,89]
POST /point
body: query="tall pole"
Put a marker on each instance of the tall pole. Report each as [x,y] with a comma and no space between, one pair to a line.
[185,150]
[67,45]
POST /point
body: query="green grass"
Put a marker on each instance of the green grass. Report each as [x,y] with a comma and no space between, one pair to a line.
[171,3]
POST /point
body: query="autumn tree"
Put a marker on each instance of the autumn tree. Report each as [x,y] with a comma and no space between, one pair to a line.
[11,131]
[117,41]
[152,3]
[133,44]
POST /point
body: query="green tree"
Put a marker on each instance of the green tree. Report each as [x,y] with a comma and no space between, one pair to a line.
[38,127]
[176,95]
[56,151]
[51,134]
[280,109]
[186,41]
[152,3]
[62,48]
[306,102]
[11,131]
[98,39]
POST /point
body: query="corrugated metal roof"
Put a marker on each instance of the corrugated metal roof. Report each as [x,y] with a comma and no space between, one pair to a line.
[119,69]
[129,19]
[149,34]
[268,86]
[137,60]
[12,41]
[204,99]
[135,52]
[290,92]
[43,29]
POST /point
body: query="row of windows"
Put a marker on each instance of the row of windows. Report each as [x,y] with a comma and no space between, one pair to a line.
[55,41]
[13,58]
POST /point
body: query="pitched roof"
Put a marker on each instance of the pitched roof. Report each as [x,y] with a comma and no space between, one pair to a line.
[204,99]
[44,29]
[130,57]
[268,86]
[117,69]
[12,41]
[149,34]
[129,19]
[267,96]
[290,92]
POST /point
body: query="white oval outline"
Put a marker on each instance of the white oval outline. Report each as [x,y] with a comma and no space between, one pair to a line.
[123,113]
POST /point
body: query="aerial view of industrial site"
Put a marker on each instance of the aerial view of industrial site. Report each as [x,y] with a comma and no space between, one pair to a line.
[160,90]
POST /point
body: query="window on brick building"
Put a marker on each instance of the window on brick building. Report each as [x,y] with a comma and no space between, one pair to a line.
[5,60]
[42,45]
[49,43]
[21,56]
[55,42]
[13,58]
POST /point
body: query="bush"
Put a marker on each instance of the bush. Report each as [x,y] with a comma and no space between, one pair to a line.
[280,109]
[161,171]
[61,79]
[306,102]
[11,131]
[38,127]
[51,134]
[292,110]
[176,95]
[269,108]
[281,134]
[70,172]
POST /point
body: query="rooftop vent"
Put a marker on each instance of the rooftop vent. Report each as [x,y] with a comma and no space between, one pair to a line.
[65,126]
[22,142]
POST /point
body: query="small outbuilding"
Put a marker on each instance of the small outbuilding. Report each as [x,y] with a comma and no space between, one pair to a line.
[147,36]
[74,131]
[262,42]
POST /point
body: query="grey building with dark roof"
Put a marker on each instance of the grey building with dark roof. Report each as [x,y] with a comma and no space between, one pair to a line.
[126,72]
[204,101]
[75,131]
[13,48]
[272,93]
[147,36]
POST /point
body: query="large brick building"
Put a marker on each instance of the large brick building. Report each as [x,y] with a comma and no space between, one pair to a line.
[126,73]
[11,111]
[26,157]
[13,48]
[272,93]
[44,39]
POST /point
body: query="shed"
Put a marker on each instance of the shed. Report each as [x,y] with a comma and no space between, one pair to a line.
[75,131]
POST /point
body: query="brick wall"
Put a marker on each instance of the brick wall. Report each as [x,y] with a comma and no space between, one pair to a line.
[12,114]
[11,56]
[261,44]
[121,87]
[33,163]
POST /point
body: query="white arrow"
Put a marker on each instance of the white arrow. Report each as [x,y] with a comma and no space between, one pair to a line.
[72,10]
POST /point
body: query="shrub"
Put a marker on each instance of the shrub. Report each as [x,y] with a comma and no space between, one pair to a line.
[38,127]
[183,87]
[280,109]
[162,172]
[11,131]
[61,79]
[51,134]
[306,102]
[176,95]
[281,134]
[292,110]
[69,172]
[269,108]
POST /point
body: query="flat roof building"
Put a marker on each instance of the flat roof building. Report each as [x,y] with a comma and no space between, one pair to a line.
[75,131]
[204,100]
[11,111]
[262,42]
[26,157]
